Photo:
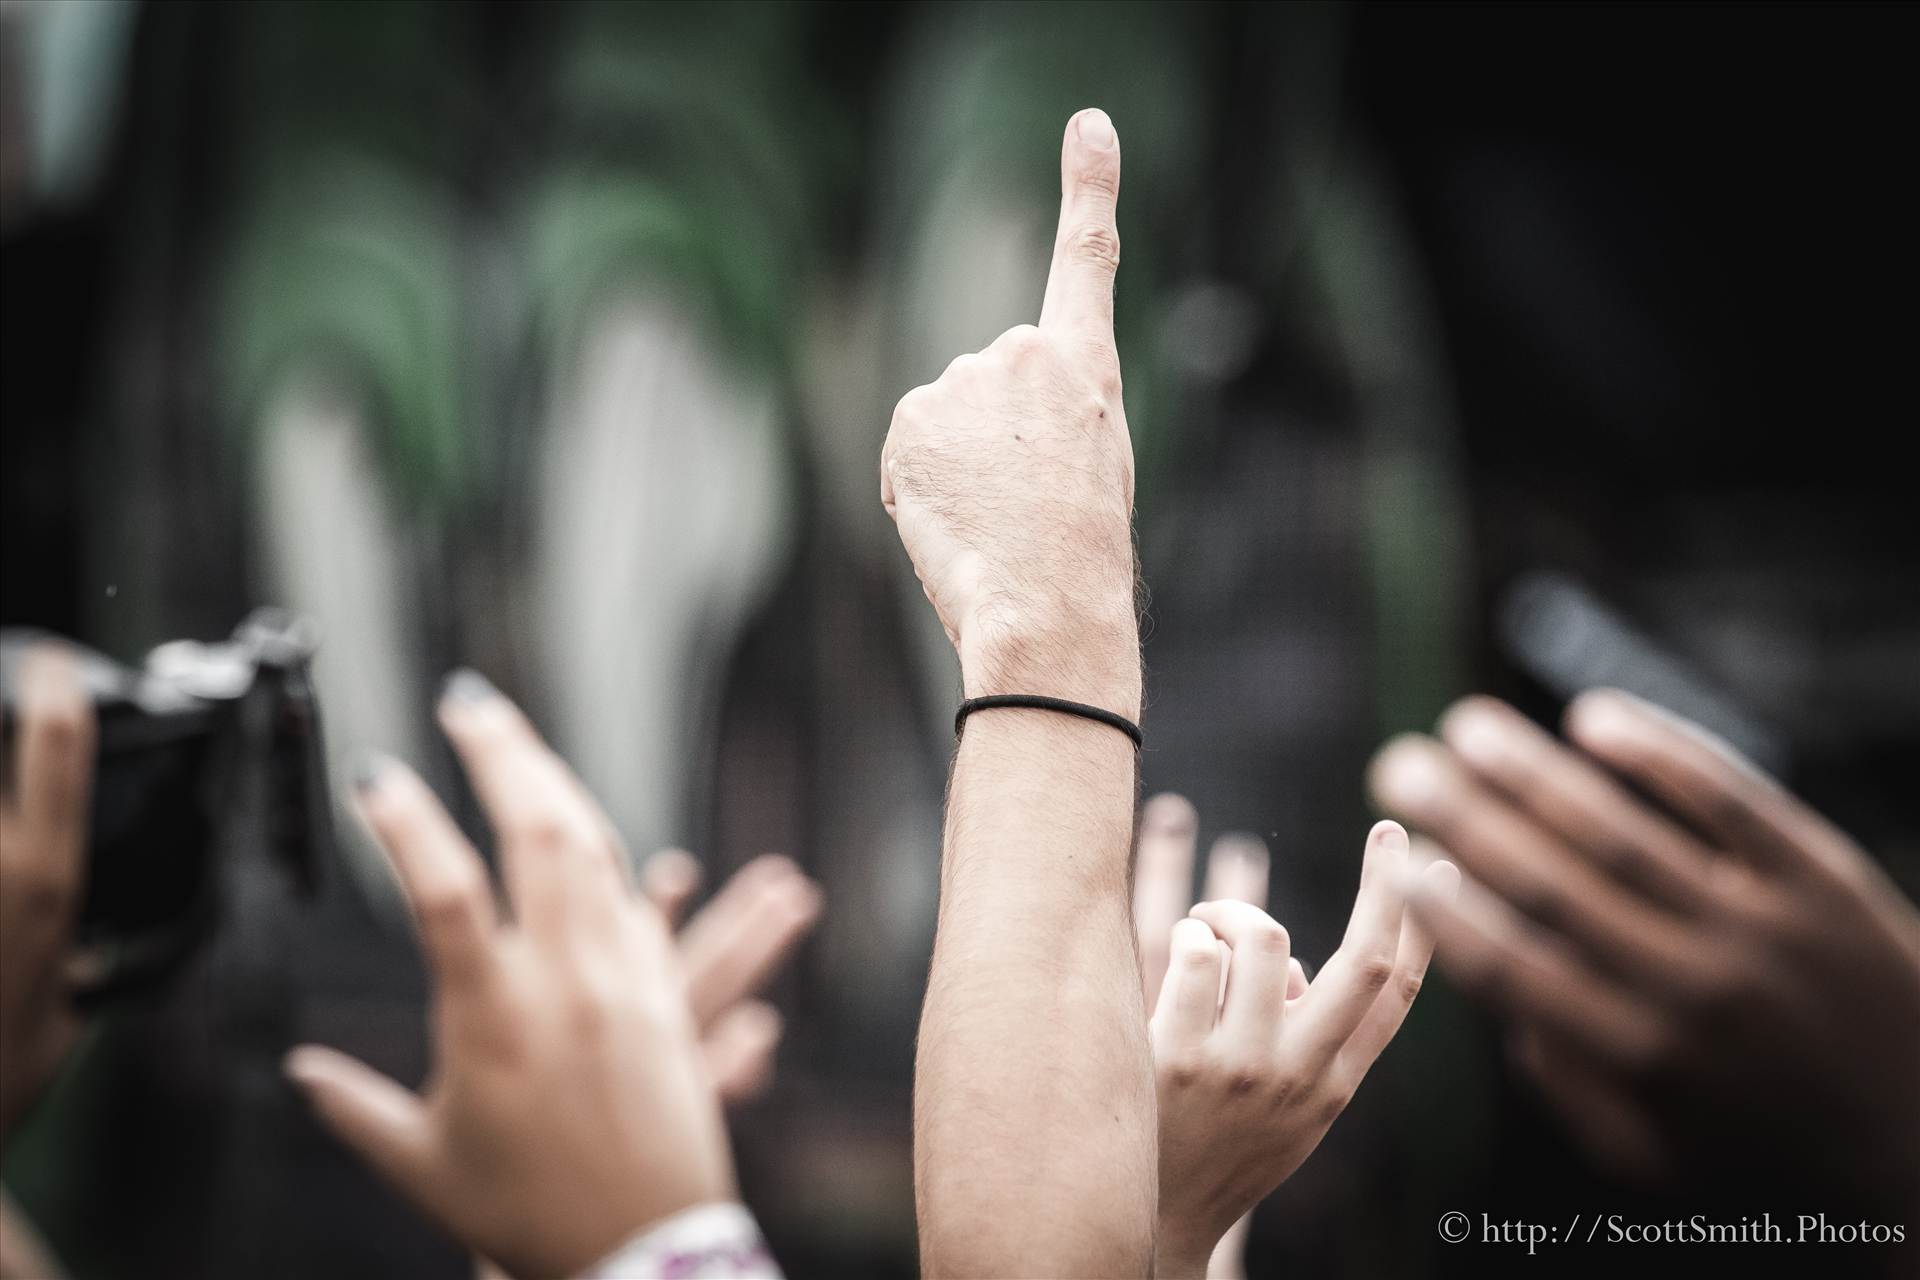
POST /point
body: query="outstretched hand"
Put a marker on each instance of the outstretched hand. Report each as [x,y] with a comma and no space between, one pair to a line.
[569,1105]
[1677,959]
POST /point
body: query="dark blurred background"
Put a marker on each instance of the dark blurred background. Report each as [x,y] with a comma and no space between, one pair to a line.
[1506,348]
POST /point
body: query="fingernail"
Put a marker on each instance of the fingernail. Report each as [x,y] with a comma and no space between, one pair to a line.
[1479,737]
[1238,846]
[1603,713]
[1168,815]
[1435,885]
[1096,130]
[467,688]
[1408,778]
[369,767]
[302,1064]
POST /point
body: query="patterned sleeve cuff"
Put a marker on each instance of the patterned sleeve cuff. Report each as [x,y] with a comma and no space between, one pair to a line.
[706,1242]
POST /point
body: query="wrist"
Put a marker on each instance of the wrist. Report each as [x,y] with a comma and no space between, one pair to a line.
[1088,652]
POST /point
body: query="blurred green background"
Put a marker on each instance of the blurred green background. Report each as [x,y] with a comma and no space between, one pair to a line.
[1465,347]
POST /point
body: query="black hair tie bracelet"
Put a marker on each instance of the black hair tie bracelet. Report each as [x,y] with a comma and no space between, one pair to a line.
[1037,702]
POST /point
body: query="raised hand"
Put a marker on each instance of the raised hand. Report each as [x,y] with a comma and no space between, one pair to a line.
[1701,974]
[728,951]
[1250,1081]
[1011,477]
[569,1105]
[1011,482]
[43,850]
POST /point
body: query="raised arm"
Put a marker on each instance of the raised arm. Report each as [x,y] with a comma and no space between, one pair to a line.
[1011,482]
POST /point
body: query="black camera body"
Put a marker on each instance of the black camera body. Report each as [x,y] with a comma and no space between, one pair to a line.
[209,752]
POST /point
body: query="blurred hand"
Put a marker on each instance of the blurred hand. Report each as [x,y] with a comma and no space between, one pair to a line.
[569,1106]
[1011,477]
[1712,978]
[43,850]
[729,950]
[1250,1081]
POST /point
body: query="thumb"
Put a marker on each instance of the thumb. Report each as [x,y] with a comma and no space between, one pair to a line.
[385,1123]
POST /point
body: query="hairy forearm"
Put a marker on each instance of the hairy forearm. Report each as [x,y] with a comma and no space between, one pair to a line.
[1034,1108]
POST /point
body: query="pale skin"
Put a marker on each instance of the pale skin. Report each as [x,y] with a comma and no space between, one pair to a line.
[570,1105]
[1011,482]
[1250,1081]
[1678,958]
[728,950]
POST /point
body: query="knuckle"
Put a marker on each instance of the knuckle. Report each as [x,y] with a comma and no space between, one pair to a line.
[1328,1107]
[453,904]
[1410,981]
[1099,181]
[1372,970]
[911,405]
[1022,340]
[1271,937]
[1182,1070]
[964,365]
[1242,1077]
[1095,244]
[546,834]
[443,911]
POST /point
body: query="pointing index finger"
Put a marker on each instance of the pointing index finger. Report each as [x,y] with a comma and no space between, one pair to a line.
[1086,249]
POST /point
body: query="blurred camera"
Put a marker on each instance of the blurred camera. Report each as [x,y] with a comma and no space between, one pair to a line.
[208,753]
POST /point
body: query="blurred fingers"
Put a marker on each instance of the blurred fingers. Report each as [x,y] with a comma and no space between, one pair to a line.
[445,883]
[1590,812]
[385,1123]
[1162,882]
[733,943]
[1237,867]
[1525,864]
[739,1048]
[1498,959]
[1706,782]
[669,879]
[560,867]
